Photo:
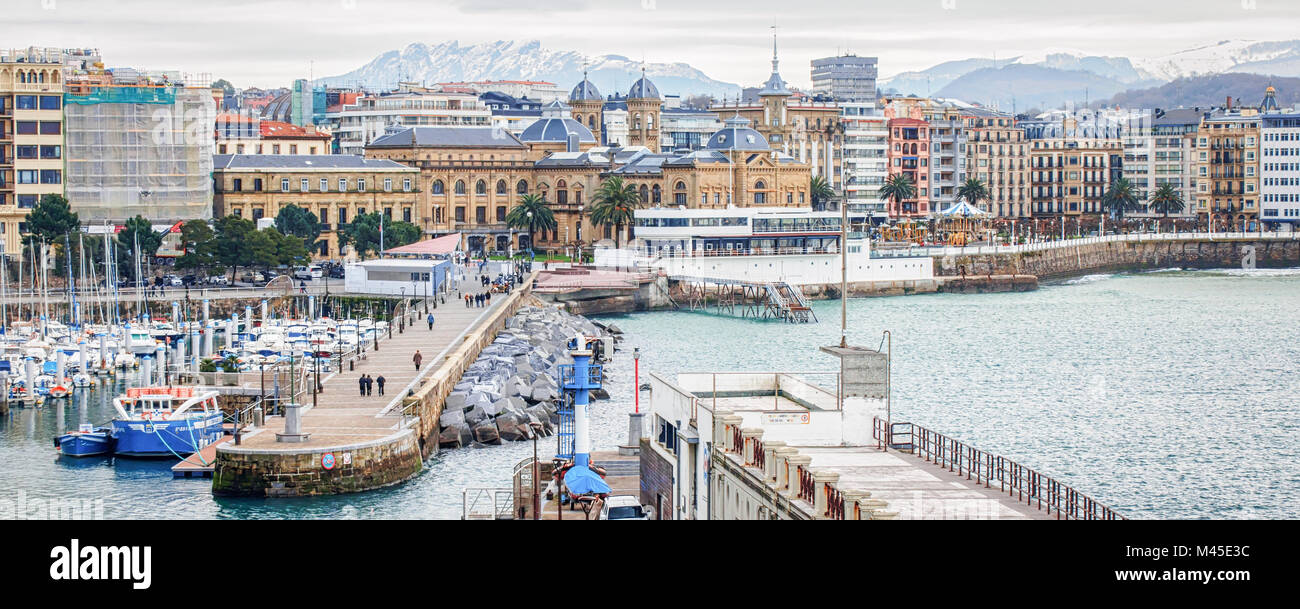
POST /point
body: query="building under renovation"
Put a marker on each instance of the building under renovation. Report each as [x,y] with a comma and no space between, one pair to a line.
[139,149]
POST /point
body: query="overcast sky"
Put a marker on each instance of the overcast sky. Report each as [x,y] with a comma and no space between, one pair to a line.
[268,43]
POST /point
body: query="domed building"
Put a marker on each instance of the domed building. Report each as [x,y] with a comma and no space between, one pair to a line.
[557,131]
[644,106]
[587,105]
[736,134]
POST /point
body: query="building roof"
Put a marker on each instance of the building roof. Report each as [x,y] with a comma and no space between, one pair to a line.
[304,161]
[584,91]
[438,246]
[448,137]
[555,126]
[736,134]
[643,89]
[277,129]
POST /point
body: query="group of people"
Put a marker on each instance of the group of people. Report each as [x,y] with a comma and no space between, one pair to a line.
[478,300]
[368,384]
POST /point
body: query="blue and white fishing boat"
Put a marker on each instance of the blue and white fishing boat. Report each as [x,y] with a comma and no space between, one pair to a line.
[87,441]
[165,421]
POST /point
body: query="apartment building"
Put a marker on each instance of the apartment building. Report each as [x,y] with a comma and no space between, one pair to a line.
[1280,170]
[31,135]
[845,78]
[909,154]
[1227,168]
[866,158]
[997,154]
[240,134]
[371,116]
[337,188]
[1159,149]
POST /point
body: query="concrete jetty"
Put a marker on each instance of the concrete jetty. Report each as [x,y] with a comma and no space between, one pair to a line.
[354,442]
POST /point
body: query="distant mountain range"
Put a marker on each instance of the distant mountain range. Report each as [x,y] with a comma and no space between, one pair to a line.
[1213,90]
[1059,76]
[528,60]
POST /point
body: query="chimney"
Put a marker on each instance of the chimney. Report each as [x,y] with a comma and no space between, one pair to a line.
[1229,103]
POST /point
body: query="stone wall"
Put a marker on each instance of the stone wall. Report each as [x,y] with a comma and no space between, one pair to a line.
[358,467]
[656,481]
[1058,263]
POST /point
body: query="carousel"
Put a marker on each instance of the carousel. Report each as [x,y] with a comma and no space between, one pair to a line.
[964,224]
[904,232]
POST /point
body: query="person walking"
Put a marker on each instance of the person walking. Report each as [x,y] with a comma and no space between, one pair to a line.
[417,358]
[361,382]
[370,385]
[380,381]
[430,320]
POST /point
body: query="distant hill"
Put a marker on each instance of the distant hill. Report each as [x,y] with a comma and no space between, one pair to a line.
[1245,89]
[1026,85]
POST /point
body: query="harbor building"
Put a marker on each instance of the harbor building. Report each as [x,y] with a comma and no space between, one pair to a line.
[1280,169]
[31,135]
[998,156]
[1227,168]
[337,188]
[866,159]
[909,155]
[770,445]
[1159,149]
[845,78]
[241,134]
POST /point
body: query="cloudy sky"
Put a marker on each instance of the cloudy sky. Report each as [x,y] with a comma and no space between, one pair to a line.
[270,42]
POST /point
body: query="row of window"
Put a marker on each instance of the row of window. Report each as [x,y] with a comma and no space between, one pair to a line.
[1273,213]
[40,176]
[323,185]
[38,127]
[38,152]
[38,102]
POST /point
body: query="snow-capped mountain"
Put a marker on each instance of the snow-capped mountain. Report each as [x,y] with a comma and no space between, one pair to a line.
[526,60]
[1278,58]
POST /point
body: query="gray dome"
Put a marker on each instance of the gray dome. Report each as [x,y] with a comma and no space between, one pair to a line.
[584,91]
[555,129]
[737,135]
[643,89]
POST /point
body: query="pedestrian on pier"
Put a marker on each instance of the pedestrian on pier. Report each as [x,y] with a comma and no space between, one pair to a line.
[361,383]
[430,320]
[380,381]
[417,359]
[370,385]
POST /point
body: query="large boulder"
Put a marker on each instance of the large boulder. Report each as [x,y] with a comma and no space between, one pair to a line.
[543,392]
[487,433]
[449,437]
[508,428]
[475,415]
[455,401]
[451,417]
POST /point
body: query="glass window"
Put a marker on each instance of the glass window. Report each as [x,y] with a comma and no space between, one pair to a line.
[51,102]
[51,128]
[25,102]
[25,127]
[51,176]
[284,184]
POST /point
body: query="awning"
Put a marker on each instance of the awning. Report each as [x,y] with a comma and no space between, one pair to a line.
[438,246]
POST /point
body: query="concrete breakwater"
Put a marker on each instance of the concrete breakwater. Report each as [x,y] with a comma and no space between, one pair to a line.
[1114,256]
[510,392]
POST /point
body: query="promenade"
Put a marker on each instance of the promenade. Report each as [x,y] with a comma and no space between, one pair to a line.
[342,416]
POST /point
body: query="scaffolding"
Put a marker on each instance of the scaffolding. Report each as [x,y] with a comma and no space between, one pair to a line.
[139,150]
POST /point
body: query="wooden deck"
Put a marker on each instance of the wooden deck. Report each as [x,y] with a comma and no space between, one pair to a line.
[200,464]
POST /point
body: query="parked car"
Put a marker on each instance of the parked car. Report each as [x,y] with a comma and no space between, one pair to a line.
[218,280]
[336,272]
[253,277]
[173,281]
[623,507]
[301,272]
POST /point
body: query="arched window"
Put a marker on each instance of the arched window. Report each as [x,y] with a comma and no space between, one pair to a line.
[650,121]
[561,184]
[759,185]
[480,188]
[501,187]
[438,187]
[655,194]
[682,185]
[591,121]
[460,187]
[645,194]
[522,187]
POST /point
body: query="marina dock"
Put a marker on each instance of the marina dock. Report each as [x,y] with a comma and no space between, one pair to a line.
[201,463]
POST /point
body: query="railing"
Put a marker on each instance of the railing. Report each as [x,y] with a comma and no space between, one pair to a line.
[806,486]
[760,456]
[759,251]
[1063,243]
[487,504]
[834,503]
[1025,484]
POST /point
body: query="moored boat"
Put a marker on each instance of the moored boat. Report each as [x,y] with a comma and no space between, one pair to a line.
[165,421]
[87,441]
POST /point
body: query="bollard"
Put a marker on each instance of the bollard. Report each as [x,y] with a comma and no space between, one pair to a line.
[352,365]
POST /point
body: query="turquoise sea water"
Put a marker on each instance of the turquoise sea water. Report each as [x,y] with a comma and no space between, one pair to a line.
[1169,394]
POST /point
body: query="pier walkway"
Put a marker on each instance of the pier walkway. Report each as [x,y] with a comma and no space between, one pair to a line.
[769,299]
[342,416]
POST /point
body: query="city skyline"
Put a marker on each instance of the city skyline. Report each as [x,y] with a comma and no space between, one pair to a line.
[268,44]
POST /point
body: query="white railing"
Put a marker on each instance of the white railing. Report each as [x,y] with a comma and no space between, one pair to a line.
[487,504]
[1064,243]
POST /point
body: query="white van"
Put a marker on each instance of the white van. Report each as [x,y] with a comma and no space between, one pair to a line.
[316,271]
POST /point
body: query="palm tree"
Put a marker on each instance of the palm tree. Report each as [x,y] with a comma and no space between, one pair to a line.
[896,188]
[821,191]
[973,191]
[1166,200]
[1121,198]
[531,214]
[614,204]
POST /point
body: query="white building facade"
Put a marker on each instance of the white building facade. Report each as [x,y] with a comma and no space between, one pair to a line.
[1280,169]
[866,158]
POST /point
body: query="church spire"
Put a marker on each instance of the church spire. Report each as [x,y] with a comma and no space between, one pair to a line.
[774,61]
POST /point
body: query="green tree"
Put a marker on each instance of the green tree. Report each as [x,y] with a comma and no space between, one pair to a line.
[137,237]
[614,204]
[898,188]
[263,248]
[294,220]
[200,246]
[51,219]
[531,214]
[973,191]
[230,250]
[1121,198]
[1166,200]
[363,234]
[820,190]
[291,251]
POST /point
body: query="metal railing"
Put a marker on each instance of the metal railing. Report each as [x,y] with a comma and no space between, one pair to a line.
[1062,243]
[487,504]
[1025,484]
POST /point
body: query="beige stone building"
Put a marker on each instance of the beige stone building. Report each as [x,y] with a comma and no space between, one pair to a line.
[337,188]
[31,136]
[1227,169]
[998,155]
